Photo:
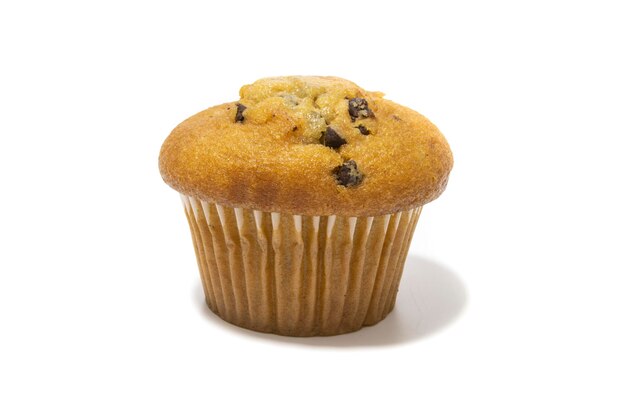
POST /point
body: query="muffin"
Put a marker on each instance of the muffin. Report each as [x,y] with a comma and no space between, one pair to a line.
[302,198]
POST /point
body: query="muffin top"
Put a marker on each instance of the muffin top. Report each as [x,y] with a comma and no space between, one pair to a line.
[311,146]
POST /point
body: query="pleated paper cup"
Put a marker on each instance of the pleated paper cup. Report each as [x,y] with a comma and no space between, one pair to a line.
[299,275]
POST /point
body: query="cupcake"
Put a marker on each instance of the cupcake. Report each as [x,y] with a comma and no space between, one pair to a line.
[302,198]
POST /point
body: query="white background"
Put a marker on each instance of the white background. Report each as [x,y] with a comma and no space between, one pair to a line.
[512,302]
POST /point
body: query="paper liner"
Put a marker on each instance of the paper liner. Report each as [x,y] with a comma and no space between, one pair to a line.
[299,275]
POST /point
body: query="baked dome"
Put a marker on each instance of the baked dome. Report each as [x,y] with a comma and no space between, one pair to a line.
[310,146]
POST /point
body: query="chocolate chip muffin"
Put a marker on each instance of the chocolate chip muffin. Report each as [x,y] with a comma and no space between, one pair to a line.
[302,198]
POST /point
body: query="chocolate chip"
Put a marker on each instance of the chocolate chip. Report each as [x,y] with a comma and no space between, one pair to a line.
[332,139]
[357,108]
[239,115]
[348,174]
[364,131]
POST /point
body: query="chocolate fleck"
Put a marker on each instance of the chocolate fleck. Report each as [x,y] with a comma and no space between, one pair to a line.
[239,115]
[348,174]
[358,109]
[332,139]
[364,131]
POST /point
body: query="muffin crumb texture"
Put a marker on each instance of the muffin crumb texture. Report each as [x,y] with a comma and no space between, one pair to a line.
[308,145]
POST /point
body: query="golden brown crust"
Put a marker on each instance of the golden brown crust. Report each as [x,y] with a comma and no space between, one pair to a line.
[273,160]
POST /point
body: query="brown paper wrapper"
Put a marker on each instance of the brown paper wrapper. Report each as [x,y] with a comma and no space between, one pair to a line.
[299,275]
